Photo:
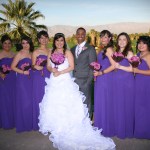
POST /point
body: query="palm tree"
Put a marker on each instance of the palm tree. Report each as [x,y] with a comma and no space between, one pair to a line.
[93,37]
[19,19]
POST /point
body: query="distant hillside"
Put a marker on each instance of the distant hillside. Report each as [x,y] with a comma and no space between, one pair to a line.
[129,27]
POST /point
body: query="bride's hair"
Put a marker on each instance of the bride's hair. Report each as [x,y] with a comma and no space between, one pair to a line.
[56,37]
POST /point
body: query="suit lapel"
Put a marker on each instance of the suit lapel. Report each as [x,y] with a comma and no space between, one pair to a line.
[87,46]
[74,52]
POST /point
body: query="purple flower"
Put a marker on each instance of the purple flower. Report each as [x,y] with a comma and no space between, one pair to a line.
[57,58]
[95,66]
[84,48]
[134,61]
[5,69]
[41,62]
[117,56]
[25,66]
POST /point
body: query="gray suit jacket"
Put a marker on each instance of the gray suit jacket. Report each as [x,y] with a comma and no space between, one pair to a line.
[82,69]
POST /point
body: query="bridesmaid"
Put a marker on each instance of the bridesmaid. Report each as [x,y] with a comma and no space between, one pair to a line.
[24,100]
[123,89]
[103,102]
[40,73]
[142,90]
[7,84]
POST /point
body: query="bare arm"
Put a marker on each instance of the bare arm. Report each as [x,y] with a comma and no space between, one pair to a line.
[15,61]
[34,58]
[1,74]
[127,69]
[144,72]
[49,67]
[112,62]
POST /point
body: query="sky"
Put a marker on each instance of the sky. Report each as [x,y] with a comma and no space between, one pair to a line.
[90,12]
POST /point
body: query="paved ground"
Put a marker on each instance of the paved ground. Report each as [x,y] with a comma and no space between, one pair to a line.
[10,140]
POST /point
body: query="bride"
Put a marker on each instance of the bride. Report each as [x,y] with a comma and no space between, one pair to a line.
[62,112]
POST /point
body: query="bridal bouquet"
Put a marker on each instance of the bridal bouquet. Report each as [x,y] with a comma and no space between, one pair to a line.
[5,69]
[117,56]
[95,66]
[57,59]
[134,61]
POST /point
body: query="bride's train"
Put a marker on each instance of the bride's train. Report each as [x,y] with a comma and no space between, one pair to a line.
[65,117]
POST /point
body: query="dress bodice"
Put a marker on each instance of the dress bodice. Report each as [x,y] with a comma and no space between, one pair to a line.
[23,61]
[6,61]
[104,62]
[143,65]
[124,62]
[62,66]
[42,56]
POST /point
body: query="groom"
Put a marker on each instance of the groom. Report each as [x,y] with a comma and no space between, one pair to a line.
[83,54]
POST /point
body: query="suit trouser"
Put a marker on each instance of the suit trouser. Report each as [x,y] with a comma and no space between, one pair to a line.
[87,90]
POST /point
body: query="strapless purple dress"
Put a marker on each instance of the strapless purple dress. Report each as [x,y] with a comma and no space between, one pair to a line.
[103,100]
[24,99]
[7,97]
[38,90]
[123,95]
[142,104]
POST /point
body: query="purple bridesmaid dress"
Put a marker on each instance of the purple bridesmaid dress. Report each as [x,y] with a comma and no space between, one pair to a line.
[103,100]
[123,95]
[7,97]
[142,104]
[24,99]
[38,90]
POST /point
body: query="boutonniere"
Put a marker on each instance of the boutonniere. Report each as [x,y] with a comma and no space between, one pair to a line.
[84,48]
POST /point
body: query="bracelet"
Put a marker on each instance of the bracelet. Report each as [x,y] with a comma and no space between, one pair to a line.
[102,72]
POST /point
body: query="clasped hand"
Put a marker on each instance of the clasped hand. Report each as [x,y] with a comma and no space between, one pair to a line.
[135,70]
[96,73]
[26,72]
[3,76]
[117,65]
[55,72]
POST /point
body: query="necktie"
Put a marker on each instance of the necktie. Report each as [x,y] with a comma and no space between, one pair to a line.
[78,51]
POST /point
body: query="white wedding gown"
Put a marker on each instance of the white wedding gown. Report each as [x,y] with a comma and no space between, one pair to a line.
[65,117]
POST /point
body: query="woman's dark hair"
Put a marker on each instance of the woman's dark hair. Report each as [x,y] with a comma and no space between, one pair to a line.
[44,33]
[5,37]
[128,46]
[29,40]
[56,37]
[110,44]
[145,40]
